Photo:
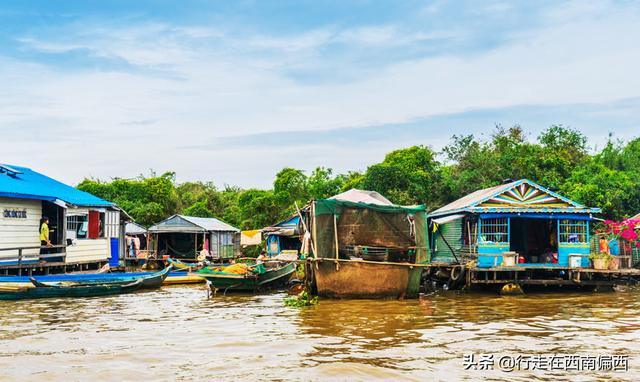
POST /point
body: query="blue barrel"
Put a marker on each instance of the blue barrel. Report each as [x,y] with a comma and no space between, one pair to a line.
[115,249]
[614,247]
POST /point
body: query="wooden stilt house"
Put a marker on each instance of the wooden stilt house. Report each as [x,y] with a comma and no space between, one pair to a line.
[521,220]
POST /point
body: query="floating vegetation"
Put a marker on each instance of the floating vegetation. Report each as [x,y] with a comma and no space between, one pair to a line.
[301,300]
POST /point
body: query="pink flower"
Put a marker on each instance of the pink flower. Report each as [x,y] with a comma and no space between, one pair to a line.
[629,235]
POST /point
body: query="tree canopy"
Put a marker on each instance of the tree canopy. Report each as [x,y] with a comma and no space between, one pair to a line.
[559,158]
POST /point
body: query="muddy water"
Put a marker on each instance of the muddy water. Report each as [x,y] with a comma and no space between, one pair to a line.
[178,334]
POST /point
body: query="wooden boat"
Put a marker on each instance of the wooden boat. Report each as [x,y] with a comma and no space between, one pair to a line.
[149,279]
[276,274]
[42,290]
[183,277]
[177,264]
[366,279]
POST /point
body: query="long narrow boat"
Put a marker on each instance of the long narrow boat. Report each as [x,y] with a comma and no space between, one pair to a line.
[149,279]
[177,264]
[41,290]
[275,274]
[183,277]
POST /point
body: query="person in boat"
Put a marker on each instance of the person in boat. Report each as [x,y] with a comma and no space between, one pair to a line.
[262,258]
[45,243]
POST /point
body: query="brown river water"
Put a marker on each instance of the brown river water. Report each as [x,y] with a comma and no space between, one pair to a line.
[177,333]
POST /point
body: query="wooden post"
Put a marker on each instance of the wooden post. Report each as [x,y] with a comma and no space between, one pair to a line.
[306,229]
[314,237]
[335,233]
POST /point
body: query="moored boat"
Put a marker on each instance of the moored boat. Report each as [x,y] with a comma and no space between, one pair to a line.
[271,275]
[366,247]
[148,279]
[41,290]
[183,277]
[366,279]
[178,264]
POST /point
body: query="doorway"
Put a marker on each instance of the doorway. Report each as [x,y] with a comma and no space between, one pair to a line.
[535,239]
[57,227]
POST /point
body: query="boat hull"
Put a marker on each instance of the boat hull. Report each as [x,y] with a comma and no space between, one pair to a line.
[149,279]
[366,279]
[176,278]
[75,291]
[271,279]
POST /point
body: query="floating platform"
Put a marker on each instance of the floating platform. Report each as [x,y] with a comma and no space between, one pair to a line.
[458,277]
[551,276]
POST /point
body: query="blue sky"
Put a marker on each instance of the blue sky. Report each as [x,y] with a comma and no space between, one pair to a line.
[232,91]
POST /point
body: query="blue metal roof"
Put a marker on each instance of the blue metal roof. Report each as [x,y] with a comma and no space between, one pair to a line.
[293,221]
[24,183]
[474,202]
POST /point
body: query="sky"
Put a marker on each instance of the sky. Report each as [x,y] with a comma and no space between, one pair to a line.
[233,91]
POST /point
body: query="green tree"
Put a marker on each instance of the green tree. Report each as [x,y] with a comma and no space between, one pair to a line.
[321,184]
[406,176]
[596,185]
[290,185]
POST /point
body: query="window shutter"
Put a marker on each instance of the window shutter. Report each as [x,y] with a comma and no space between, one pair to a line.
[94,224]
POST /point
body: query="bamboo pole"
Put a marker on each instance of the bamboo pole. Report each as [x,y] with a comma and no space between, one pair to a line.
[335,234]
[306,229]
[314,234]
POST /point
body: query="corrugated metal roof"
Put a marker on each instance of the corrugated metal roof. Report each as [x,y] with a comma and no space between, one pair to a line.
[29,184]
[472,198]
[471,202]
[182,223]
[363,196]
[447,219]
[134,228]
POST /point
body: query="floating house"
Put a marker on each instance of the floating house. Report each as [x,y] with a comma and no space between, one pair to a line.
[284,237]
[536,226]
[187,237]
[86,230]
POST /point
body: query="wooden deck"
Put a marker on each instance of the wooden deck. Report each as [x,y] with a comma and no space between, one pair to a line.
[45,268]
[540,275]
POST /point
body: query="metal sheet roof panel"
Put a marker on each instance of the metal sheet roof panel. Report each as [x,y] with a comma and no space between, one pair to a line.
[29,184]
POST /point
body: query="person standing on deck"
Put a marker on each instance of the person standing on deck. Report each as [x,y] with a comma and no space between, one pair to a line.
[44,235]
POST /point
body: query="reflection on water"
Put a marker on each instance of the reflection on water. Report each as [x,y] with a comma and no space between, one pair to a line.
[178,334]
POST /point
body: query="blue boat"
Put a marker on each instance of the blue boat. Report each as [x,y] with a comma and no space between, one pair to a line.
[149,279]
[41,290]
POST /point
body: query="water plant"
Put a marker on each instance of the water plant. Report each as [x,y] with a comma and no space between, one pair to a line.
[301,300]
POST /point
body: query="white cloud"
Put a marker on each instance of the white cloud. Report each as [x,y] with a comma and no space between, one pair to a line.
[226,85]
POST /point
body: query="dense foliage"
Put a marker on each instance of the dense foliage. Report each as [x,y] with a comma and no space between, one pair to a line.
[559,159]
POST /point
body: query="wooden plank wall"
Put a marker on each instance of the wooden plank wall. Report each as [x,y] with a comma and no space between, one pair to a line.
[88,250]
[20,232]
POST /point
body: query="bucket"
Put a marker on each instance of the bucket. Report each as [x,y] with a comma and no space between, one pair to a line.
[575,261]
[600,264]
[508,260]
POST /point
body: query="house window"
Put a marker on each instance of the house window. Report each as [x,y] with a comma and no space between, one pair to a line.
[494,230]
[77,226]
[572,231]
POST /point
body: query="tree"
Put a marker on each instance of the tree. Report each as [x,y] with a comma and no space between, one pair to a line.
[321,184]
[258,208]
[599,186]
[406,176]
[290,186]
